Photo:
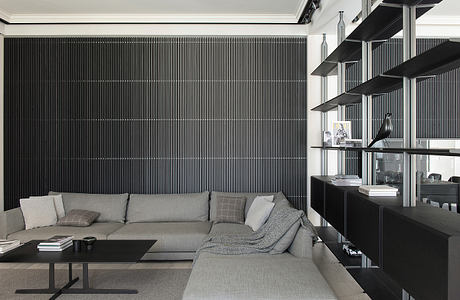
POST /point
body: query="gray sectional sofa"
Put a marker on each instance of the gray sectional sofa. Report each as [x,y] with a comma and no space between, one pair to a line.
[180,223]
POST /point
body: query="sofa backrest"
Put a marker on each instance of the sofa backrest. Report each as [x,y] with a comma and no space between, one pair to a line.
[112,207]
[279,199]
[168,207]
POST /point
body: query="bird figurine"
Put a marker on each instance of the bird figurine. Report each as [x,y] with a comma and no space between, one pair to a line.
[384,131]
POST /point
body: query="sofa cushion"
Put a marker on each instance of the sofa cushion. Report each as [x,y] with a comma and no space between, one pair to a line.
[168,208]
[302,245]
[256,276]
[79,218]
[286,240]
[230,228]
[38,212]
[230,209]
[112,207]
[249,199]
[170,236]
[98,230]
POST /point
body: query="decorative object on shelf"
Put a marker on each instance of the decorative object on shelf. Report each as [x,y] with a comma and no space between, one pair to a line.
[89,242]
[351,250]
[385,130]
[353,143]
[327,139]
[341,131]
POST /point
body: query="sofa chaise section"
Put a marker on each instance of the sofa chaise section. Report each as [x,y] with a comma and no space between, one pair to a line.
[288,276]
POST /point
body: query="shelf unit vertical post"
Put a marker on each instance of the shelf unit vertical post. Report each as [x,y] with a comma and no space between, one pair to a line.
[341,89]
[409,108]
[366,113]
[366,101]
[324,121]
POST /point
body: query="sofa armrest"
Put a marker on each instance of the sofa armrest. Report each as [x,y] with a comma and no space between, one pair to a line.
[302,245]
[11,221]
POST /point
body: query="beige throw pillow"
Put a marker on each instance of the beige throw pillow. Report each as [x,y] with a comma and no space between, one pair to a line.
[38,212]
[58,204]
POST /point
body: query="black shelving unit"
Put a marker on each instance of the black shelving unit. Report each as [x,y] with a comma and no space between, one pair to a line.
[440,59]
[329,237]
[417,151]
[370,29]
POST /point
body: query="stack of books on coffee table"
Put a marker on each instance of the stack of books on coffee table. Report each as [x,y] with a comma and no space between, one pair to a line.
[6,246]
[56,243]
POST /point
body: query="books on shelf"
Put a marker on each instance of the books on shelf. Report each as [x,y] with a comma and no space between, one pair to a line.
[56,243]
[346,180]
[6,246]
[378,190]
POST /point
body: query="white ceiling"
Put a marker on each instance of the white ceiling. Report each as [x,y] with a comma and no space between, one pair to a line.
[151,11]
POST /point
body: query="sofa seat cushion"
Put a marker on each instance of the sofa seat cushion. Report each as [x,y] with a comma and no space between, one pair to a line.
[230,228]
[170,236]
[98,230]
[257,276]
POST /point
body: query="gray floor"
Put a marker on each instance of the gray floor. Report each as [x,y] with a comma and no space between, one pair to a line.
[154,280]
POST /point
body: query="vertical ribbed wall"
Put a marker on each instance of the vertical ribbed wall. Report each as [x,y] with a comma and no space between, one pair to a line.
[438,99]
[155,115]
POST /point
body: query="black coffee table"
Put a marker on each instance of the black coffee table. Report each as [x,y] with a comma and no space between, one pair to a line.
[103,251]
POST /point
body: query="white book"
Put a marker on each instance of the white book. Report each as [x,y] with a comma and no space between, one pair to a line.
[55,248]
[57,240]
[8,247]
[378,190]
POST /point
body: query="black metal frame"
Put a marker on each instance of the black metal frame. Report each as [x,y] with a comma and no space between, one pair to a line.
[66,289]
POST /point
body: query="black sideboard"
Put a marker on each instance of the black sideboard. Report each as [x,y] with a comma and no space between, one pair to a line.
[418,247]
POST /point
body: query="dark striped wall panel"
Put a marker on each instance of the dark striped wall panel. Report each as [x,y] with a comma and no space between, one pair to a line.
[155,115]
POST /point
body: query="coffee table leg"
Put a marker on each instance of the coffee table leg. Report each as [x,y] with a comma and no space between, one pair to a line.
[87,290]
[51,284]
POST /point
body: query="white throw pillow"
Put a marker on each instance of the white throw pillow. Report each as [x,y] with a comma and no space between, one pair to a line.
[259,211]
[38,212]
[58,204]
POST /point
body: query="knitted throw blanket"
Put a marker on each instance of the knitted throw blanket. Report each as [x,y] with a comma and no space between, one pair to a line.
[261,241]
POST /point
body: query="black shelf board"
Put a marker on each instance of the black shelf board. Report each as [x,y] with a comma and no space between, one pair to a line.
[376,284]
[440,59]
[378,85]
[343,99]
[326,68]
[413,2]
[329,236]
[415,151]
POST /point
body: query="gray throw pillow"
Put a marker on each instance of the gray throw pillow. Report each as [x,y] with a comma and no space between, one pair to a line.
[286,240]
[230,209]
[78,218]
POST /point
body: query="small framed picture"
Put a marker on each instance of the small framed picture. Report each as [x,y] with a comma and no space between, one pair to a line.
[327,139]
[341,131]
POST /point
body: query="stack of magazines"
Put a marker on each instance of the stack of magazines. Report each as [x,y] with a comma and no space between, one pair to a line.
[346,180]
[378,190]
[6,246]
[56,243]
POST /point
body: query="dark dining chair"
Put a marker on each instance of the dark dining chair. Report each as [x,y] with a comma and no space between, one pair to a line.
[435,176]
[455,179]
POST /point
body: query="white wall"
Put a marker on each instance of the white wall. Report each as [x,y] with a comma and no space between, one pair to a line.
[314,118]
